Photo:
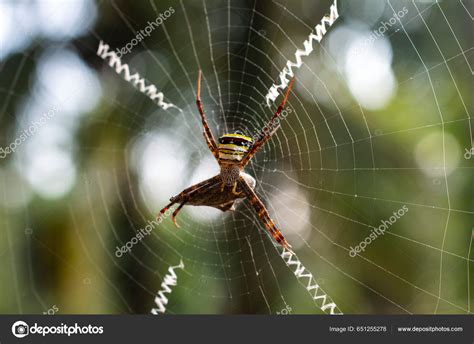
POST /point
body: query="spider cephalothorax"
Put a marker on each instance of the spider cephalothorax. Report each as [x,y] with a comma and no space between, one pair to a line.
[233,147]
[232,152]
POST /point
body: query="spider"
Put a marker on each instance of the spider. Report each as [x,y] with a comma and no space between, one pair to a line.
[233,153]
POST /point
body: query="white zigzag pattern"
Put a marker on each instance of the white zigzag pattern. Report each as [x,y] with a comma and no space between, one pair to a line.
[287,72]
[170,280]
[151,91]
[326,305]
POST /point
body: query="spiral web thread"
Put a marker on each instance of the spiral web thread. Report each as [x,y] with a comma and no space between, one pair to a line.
[307,280]
[287,72]
[170,280]
[151,90]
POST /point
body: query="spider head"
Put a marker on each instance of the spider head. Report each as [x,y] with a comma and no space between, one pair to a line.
[233,146]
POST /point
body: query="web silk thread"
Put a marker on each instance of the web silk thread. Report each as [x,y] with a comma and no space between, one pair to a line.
[136,80]
[170,280]
[306,278]
[287,73]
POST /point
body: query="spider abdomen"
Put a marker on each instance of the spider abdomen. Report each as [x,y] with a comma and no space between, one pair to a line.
[214,195]
[249,179]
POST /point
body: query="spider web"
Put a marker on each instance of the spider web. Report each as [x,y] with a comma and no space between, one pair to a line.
[371,127]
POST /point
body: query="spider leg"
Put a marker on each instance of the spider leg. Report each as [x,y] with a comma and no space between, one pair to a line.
[211,142]
[265,135]
[164,210]
[175,213]
[262,213]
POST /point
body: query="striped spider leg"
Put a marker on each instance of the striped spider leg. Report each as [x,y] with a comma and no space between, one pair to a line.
[262,213]
[250,194]
[211,142]
[265,135]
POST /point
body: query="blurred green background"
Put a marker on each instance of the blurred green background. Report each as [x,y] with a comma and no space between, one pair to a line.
[378,120]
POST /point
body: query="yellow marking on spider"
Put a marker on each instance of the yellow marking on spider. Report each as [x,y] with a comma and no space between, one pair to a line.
[234,190]
[230,157]
[233,147]
[230,151]
[238,136]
